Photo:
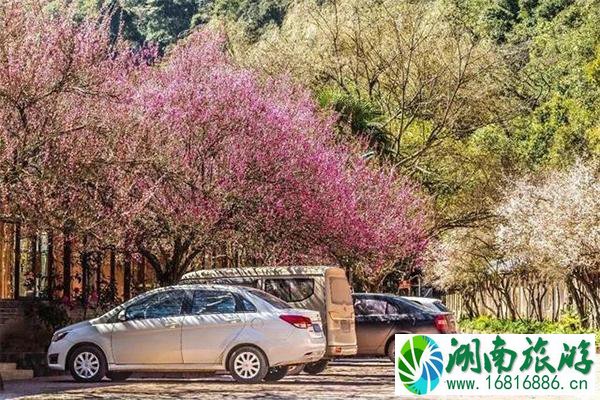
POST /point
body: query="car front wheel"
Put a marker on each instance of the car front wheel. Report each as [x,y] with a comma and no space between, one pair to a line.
[87,364]
[248,365]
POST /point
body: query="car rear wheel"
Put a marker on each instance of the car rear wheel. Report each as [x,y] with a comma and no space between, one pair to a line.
[118,376]
[276,373]
[248,365]
[87,364]
[390,351]
[316,367]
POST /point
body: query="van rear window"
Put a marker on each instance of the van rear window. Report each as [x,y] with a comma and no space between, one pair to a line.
[340,291]
[291,289]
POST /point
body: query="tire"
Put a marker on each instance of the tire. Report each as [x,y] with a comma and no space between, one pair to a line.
[87,364]
[390,350]
[316,367]
[248,365]
[276,373]
[118,376]
[295,369]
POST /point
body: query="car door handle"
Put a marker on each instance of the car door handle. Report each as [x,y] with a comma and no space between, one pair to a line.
[234,321]
[172,325]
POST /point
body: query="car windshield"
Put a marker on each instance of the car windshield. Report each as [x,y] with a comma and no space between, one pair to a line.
[272,300]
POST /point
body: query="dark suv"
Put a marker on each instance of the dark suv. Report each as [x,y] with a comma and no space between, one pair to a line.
[380,316]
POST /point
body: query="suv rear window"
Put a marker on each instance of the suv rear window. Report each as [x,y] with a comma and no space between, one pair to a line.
[340,291]
[272,300]
[291,289]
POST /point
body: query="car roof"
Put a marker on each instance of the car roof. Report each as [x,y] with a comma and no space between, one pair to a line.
[208,286]
[383,295]
[402,299]
[254,272]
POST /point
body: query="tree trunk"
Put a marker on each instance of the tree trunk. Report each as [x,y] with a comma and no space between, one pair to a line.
[586,281]
[33,262]
[504,289]
[472,308]
[127,277]
[170,271]
[17,269]
[67,250]
[113,279]
[50,286]
[85,276]
[539,301]
[576,297]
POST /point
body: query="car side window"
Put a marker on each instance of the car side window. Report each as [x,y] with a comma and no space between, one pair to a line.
[213,302]
[160,305]
[247,306]
[393,309]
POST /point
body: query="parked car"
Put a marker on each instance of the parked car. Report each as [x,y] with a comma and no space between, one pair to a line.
[321,288]
[247,332]
[381,316]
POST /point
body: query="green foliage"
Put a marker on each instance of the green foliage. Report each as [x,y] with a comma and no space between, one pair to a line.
[253,16]
[569,322]
[165,21]
[499,18]
[359,114]
[552,47]
[52,315]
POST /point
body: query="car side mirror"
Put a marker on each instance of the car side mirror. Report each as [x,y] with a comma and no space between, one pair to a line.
[122,315]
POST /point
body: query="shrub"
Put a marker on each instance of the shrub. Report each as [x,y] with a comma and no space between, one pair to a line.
[568,323]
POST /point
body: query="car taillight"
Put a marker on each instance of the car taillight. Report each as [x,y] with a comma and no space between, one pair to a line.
[441,324]
[298,321]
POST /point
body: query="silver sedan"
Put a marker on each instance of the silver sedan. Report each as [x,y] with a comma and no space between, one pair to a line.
[247,332]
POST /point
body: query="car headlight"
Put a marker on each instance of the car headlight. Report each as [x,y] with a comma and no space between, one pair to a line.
[59,335]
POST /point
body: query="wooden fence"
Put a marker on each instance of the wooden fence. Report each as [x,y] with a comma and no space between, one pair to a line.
[550,306]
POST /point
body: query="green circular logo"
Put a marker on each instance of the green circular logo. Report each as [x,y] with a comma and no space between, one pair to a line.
[420,364]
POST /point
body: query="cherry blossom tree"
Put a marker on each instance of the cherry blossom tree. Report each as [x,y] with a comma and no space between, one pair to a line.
[66,168]
[552,223]
[60,80]
[253,162]
[168,158]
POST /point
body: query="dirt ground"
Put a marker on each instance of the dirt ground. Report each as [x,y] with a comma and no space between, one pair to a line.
[355,379]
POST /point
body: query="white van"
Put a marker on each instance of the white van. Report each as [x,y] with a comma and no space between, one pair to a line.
[321,288]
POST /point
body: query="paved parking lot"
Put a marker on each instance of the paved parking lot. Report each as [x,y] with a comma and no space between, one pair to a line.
[356,379]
